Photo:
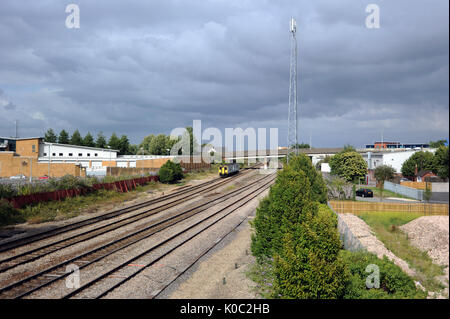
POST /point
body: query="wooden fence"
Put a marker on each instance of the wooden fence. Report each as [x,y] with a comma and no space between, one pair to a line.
[357,208]
[417,185]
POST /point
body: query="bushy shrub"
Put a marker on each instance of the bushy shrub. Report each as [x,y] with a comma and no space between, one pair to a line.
[296,193]
[287,203]
[318,186]
[170,172]
[394,283]
[8,214]
[308,265]
[300,234]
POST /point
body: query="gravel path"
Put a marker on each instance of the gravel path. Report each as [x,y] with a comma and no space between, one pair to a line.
[206,282]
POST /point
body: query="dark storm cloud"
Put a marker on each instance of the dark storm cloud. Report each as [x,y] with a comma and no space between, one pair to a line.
[141,67]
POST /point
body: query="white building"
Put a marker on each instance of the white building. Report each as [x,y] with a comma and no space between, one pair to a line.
[89,157]
[394,158]
[83,155]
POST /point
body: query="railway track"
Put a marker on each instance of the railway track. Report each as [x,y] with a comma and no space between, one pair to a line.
[122,271]
[39,252]
[48,276]
[62,229]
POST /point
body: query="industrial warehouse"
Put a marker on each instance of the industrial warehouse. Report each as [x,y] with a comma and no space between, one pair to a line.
[36,158]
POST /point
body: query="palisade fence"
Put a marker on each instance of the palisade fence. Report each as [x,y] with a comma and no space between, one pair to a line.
[356,208]
[403,190]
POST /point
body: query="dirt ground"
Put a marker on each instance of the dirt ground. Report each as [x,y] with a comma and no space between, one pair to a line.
[431,234]
[208,280]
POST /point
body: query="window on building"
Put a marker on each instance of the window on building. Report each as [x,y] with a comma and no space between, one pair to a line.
[88,154]
[95,154]
[45,154]
[60,154]
[80,154]
[70,154]
[53,154]
[33,148]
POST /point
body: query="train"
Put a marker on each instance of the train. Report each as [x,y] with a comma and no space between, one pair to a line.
[228,169]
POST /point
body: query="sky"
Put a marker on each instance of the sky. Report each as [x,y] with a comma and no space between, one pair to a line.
[148,67]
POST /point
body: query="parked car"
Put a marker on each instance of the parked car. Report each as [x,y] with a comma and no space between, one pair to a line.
[43,177]
[364,192]
[20,176]
[404,180]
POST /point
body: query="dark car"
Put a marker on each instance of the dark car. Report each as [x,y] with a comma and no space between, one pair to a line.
[364,192]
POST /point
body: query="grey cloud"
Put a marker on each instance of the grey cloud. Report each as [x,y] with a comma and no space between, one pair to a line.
[146,67]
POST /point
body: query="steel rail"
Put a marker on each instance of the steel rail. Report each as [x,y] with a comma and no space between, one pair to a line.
[89,221]
[45,250]
[112,244]
[92,282]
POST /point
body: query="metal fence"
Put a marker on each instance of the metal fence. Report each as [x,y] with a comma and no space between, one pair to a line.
[403,190]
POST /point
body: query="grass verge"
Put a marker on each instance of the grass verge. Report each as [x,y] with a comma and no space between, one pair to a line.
[385,225]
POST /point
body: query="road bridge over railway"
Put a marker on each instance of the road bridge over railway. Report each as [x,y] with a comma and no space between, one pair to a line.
[316,154]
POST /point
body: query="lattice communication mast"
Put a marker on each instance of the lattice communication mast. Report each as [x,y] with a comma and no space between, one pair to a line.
[292,116]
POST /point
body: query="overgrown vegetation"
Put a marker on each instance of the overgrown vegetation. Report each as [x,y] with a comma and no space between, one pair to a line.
[9,190]
[297,245]
[394,283]
[386,227]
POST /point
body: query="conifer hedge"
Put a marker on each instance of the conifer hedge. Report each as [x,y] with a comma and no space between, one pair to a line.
[295,230]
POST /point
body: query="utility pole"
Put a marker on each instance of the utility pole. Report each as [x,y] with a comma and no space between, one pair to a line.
[292,115]
[17,135]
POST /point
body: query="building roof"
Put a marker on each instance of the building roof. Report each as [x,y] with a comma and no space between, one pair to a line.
[20,138]
[81,146]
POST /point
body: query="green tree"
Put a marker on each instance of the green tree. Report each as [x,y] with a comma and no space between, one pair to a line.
[133,149]
[308,266]
[63,137]
[76,138]
[440,161]
[423,160]
[193,145]
[302,145]
[293,197]
[124,145]
[145,144]
[101,141]
[89,140]
[158,145]
[348,165]
[348,148]
[384,173]
[50,136]
[114,142]
[438,143]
